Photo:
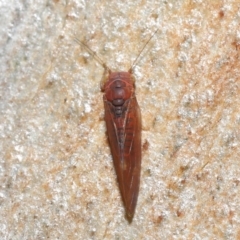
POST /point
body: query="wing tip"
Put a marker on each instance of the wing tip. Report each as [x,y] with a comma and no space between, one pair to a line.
[130,210]
[129,216]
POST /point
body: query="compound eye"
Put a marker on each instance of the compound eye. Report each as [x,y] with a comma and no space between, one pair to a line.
[118,102]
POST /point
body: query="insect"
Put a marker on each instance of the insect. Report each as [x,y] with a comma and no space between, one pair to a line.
[123,122]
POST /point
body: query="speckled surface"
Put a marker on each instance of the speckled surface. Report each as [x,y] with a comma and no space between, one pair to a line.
[56,172]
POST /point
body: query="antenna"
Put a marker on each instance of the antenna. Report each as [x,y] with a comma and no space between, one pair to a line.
[135,61]
[94,54]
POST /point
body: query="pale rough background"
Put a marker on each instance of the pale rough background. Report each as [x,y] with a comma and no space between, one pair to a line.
[56,173]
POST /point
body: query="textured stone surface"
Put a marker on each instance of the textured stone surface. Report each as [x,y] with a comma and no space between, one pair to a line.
[56,171]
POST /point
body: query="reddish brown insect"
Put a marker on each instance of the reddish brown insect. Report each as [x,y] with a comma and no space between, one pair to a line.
[123,121]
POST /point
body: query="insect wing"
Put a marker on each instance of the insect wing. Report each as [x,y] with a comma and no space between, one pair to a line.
[124,135]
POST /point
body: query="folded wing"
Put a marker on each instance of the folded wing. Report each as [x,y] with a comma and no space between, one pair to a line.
[124,134]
